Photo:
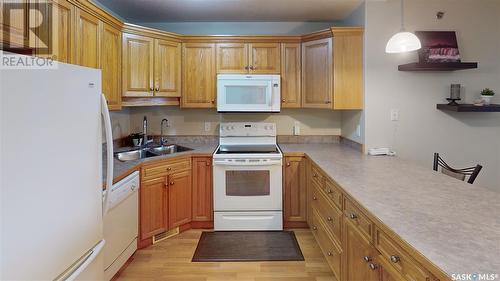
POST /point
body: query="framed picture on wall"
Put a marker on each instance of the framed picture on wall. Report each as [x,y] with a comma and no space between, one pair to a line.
[438,46]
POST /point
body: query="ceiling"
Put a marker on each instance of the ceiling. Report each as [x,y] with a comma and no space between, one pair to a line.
[231,10]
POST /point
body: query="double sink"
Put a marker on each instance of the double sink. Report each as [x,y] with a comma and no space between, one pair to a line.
[150,151]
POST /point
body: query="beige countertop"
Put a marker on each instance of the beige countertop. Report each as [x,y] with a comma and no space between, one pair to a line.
[453,224]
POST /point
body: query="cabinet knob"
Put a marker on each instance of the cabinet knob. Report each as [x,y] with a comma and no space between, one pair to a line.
[168,169]
[157,89]
[208,163]
[315,228]
[171,183]
[314,198]
[288,164]
[329,219]
[373,266]
[151,89]
[329,254]
[252,67]
[327,102]
[367,259]
[315,175]
[283,100]
[329,191]
[395,259]
[353,216]
[212,101]
[247,67]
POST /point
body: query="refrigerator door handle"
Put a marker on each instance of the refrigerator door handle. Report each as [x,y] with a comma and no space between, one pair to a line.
[109,154]
[81,264]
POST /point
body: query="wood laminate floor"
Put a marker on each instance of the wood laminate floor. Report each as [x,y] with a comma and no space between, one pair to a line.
[171,260]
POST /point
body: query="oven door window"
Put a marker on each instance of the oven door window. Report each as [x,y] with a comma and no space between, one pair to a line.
[248,183]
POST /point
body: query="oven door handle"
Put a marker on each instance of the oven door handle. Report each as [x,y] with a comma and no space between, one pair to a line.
[247,162]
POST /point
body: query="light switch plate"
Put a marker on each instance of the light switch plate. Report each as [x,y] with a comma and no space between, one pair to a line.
[296,128]
[394,114]
[207,126]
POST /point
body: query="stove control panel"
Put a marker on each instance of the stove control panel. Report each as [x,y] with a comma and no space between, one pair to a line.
[243,129]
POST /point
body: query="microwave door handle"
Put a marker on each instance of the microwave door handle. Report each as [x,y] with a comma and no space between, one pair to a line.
[271,96]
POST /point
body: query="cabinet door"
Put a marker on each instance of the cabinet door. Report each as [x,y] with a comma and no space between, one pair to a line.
[167,71]
[232,58]
[202,189]
[317,74]
[137,65]
[111,46]
[87,39]
[359,256]
[294,190]
[179,198]
[264,58]
[348,71]
[153,207]
[290,75]
[14,25]
[198,80]
[63,30]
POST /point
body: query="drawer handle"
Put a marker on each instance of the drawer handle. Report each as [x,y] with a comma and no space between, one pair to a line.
[168,169]
[395,259]
[353,216]
[367,259]
[373,266]
[315,228]
[329,219]
[171,183]
[329,254]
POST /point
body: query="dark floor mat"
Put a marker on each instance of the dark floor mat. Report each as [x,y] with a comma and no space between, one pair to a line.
[247,246]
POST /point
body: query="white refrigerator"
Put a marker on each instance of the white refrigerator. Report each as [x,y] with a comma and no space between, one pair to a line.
[51,173]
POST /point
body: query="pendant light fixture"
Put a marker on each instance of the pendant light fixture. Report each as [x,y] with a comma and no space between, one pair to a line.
[402,41]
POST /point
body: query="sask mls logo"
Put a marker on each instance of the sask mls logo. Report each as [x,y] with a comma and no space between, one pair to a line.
[475,276]
[27,29]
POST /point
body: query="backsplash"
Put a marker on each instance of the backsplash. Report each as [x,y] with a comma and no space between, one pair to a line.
[193,121]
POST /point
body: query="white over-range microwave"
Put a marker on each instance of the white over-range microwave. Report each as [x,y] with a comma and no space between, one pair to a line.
[248,93]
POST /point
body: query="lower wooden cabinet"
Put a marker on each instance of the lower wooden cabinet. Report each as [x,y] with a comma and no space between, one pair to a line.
[294,192]
[179,199]
[202,189]
[153,207]
[359,257]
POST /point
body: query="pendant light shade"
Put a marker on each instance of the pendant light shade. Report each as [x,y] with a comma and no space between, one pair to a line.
[402,41]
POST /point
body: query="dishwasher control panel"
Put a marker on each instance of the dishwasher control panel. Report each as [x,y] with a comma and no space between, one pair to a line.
[123,189]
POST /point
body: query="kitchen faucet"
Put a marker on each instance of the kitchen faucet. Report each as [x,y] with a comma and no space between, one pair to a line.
[145,131]
[163,139]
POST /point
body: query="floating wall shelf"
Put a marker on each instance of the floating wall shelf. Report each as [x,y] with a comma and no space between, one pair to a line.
[442,66]
[469,108]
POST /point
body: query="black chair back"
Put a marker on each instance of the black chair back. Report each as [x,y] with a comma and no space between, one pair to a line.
[472,172]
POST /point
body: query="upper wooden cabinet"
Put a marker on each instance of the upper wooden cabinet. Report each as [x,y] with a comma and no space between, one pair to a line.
[198,79]
[63,31]
[264,58]
[232,58]
[294,191]
[167,71]
[290,75]
[88,36]
[111,46]
[138,64]
[348,68]
[317,74]
[258,58]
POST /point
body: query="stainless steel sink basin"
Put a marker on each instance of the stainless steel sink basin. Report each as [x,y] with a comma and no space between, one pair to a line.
[150,152]
[169,149]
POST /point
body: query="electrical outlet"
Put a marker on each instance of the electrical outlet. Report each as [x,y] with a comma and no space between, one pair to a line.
[207,126]
[394,114]
[296,128]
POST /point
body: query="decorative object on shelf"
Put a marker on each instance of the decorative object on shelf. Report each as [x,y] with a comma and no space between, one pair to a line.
[486,95]
[403,41]
[438,46]
[454,94]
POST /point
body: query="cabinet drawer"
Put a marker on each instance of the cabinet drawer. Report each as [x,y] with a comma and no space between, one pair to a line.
[165,168]
[317,176]
[331,250]
[328,212]
[358,219]
[334,193]
[393,256]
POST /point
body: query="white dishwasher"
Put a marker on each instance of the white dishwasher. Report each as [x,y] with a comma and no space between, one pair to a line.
[121,224]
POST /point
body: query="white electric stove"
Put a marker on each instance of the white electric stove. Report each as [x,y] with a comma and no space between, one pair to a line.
[248,178]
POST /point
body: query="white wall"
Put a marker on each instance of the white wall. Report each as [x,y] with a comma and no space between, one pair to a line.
[462,138]
[192,121]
